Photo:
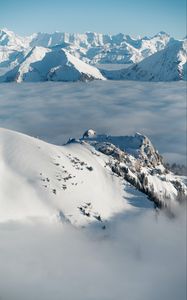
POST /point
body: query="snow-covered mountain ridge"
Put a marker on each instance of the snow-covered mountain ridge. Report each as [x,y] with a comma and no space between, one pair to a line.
[43,64]
[169,64]
[91,46]
[157,58]
[86,181]
[136,160]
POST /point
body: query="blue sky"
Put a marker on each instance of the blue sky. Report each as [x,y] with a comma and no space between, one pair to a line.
[144,17]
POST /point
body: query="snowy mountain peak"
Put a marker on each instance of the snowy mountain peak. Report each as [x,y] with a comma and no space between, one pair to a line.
[90,133]
[10,39]
[162,33]
[168,64]
[42,64]
[6,31]
[138,146]
[136,160]
[147,152]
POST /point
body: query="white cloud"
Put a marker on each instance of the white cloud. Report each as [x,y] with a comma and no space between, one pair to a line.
[56,111]
[137,258]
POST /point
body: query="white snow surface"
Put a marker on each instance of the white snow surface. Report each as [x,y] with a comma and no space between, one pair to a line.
[41,180]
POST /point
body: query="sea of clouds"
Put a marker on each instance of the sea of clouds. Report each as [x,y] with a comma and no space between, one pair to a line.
[141,257]
[57,111]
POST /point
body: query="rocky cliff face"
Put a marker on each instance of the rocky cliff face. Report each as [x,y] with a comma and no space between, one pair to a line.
[136,160]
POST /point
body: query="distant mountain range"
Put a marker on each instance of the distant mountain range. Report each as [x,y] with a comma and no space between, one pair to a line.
[157,58]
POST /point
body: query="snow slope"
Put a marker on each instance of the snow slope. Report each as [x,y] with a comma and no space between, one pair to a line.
[47,181]
[42,64]
[78,183]
[169,64]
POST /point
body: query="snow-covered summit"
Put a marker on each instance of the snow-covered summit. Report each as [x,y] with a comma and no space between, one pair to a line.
[169,64]
[9,38]
[42,64]
[166,65]
[136,160]
[12,48]
[90,133]
[138,145]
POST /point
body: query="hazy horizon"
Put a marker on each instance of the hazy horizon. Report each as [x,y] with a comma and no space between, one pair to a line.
[98,32]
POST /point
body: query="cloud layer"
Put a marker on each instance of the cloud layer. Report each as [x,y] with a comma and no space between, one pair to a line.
[57,111]
[137,258]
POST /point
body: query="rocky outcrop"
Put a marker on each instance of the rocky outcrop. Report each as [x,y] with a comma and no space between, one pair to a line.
[136,160]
